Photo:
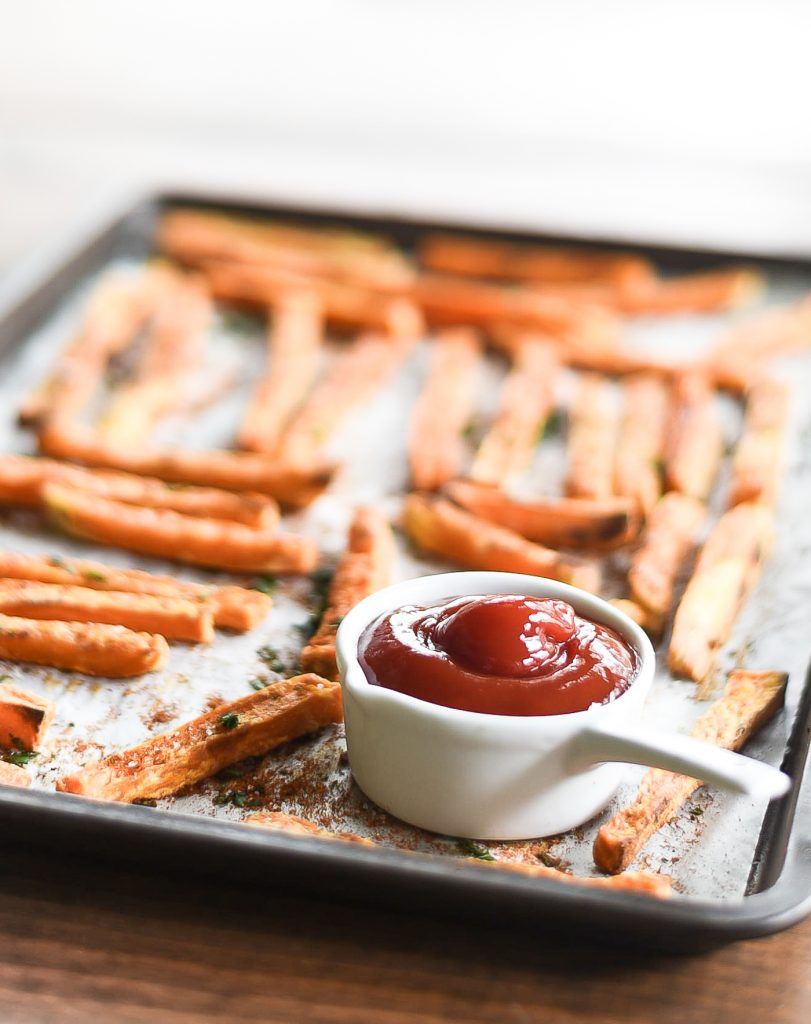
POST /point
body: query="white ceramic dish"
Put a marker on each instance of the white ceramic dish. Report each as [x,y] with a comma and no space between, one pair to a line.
[482,776]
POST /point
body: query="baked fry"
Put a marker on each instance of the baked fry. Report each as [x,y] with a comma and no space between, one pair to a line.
[13,775]
[725,572]
[579,523]
[775,332]
[213,543]
[706,292]
[527,398]
[248,727]
[364,567]
[24,717]
[641,444]
[750,699]
[440,528]
[294,350]
[278,821]
[636,613]
[442,411]
[96,650]
[634,881]
[697,443]
[233,607]
[592,439]
[172,617]
[758,460]
[670,534]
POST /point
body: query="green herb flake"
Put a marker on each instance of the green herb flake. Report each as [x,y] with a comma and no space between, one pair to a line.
[266,584]
[270,656]
[552,426]
[548,860]
[473,849]
[696,812]
[229,721]
[93,576]
[258,684]
[20,757]
[237,797]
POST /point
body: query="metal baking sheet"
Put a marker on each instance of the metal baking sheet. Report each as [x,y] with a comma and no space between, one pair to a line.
[708,853]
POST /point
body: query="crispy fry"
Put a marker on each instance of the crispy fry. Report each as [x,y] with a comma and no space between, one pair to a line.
[278,821]
[96,650]
[527,398]
[758,460]
[750,699]
[636,613]
[363,367]
[707,292]
[13,775]
[24,717]
[232,607]
[725,572]
[634,881]
[435,448]
[248,727]
[214,543]
[294,349]
[173,617]
[579,523]
[292,485]
[670,534]
[22,477]
[442,529]
[642,440]
[364,567]
[774,332]
[697,443]
[592,437]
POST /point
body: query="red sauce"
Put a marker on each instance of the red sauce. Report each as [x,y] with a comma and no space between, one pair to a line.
[499,654]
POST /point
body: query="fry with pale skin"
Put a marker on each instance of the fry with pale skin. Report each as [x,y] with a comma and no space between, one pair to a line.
[248,727]
[758,459]
[233,607]
[749,701]
[636,613]
[291,824]
[24,717]
[641,444]
[22,478]
[294,353]
[94,649]
[213,543]
[364,567]
[14,775]
[454,535]
[527,398]
[579,523]
[725,572]
[173,617]
[293,485]
[696,444]
[592,439]
[436,449]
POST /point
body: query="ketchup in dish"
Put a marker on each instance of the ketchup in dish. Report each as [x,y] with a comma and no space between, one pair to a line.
[500,654]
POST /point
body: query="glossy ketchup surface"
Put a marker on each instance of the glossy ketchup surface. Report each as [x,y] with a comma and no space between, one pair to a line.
[500,654]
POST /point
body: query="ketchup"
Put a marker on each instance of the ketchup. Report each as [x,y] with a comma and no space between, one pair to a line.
[499,654]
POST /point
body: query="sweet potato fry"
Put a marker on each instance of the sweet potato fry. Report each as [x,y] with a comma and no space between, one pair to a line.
[725,572]
[633,881]
[233,607]
[440,528]
[579,523]
[24,717]
[697,443]
[13,775]
[758,459]
[278,821]
[173,617]
[775,332]
[527,398]
[248,727]
[364,567]
[592,439]
[292,485]
[214,543]
[707,292]
[294,350]
[641,445]
[22,477]
[96,650]
[670,535]
[750,699]
[435,447]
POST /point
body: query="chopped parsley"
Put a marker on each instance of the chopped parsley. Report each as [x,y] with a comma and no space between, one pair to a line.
[270,656]
[696,812]
[552,426]
[473,849]
[266,584]
[229,721]
[237,798]
[93,576]
[258,684]
[20,757]
[548,860]
[59,563]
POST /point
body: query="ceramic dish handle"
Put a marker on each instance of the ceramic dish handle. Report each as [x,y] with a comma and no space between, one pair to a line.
[633,744]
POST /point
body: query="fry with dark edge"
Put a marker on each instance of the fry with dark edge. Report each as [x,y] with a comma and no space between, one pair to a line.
[758,459]
[24,717]
[725,572]
[454,535]
[750,699]
[13,775]
[592,439]
[364,567]
[442,411]
[214,543]
[641,444]
[294,354]
[527,398]
[94,649]
[175,618]
[580,523]
[697,442]
[204,746]
[291,824]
